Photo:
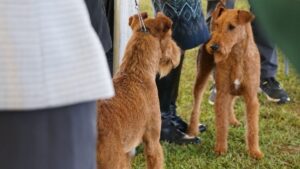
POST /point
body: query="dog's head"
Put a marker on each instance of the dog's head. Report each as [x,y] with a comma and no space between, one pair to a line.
[160,27]
[228,28]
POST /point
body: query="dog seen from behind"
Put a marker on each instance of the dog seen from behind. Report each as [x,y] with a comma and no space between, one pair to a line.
[132,116]
[234,54]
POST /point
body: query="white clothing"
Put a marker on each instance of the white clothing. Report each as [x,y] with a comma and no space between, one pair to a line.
[49,55]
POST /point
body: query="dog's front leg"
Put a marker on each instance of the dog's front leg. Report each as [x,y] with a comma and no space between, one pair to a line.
[205,64]
[153,150]
[252,139]
[222,110]
[152,147]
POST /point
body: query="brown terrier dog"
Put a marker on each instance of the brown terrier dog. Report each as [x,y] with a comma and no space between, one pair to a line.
[237,72]
[133,115]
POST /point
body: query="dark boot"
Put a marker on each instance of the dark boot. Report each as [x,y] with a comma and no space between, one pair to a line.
[179,123]
[171,134]
[168,92]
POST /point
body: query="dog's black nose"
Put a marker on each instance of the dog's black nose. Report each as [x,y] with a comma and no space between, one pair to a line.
[214,47]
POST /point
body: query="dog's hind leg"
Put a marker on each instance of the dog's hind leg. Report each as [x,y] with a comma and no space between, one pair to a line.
[232,118]
[111,157]
[252,115]
[205,64]
[114,160]
[154,155]
[126,162]
[222,110]
[153,150]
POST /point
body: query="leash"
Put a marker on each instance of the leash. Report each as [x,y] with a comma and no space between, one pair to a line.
[142,24]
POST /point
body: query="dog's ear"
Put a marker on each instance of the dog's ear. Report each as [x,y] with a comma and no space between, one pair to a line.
[220,8]
[170,57]
[163,24]
[144,15]
[134,20]
[160,14]
[244,17]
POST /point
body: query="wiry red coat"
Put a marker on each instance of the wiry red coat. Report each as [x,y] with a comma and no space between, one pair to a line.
[133,115]
[237,73]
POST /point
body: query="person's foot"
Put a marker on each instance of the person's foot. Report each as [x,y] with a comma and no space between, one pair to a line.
[171,134]
[274,92]
[179,123]
[213,94]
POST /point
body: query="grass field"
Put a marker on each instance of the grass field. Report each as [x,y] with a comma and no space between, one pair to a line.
[279,127]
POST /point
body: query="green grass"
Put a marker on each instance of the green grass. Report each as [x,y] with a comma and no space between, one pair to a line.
[279,127]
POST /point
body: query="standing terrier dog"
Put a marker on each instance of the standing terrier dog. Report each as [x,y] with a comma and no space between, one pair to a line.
[237,72]
[133,115]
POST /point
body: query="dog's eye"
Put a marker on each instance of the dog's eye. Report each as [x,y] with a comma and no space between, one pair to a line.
[231,27]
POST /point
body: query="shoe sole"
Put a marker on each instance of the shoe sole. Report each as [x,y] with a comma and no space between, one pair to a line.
[272,99]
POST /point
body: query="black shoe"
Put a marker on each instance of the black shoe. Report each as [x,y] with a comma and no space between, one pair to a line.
[179,123]
[271,88]
[171,134]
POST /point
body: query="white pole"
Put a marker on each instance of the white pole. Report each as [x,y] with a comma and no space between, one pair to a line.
[122,32]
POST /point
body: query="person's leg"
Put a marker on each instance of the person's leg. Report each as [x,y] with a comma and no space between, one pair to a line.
[167,92]
[168,87]
[57,138]
[269,64]
[110,60]
[267,52]
[183,22]
[100,23]
[109,8]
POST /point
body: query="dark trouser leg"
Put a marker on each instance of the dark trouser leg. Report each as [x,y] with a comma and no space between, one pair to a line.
[176,80]
[109,7]
[267,51]
[269,65]
[168,87]
[57,138]
[99,22]
[110,60]
[167,92]
[101,16]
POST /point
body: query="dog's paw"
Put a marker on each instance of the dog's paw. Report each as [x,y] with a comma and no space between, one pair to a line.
[257,154]
[220,150]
